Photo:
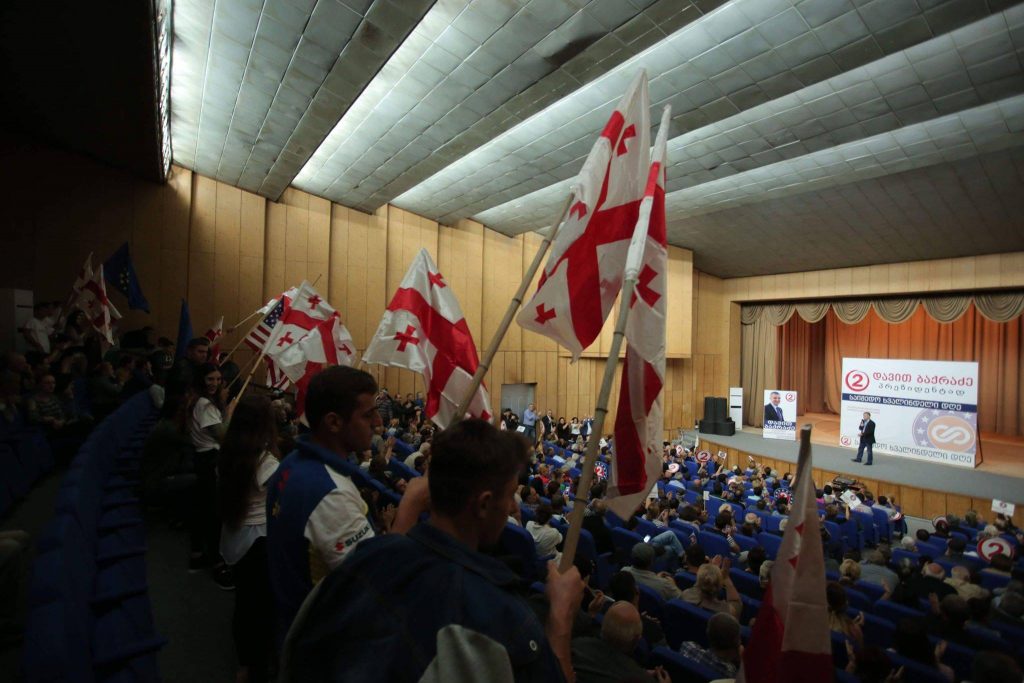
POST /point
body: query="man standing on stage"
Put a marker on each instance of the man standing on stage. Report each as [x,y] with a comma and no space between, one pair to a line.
[867,438]
[773,411]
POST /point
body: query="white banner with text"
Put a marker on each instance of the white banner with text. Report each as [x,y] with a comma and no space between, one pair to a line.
[924,410]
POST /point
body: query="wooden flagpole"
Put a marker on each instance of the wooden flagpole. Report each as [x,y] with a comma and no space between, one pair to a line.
[243,320]
[634,261]
[510,313]
[242,340]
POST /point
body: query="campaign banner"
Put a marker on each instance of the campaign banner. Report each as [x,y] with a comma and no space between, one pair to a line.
[923,410]
[779,414]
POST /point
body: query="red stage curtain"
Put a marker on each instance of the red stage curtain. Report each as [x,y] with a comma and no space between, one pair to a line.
[811,351]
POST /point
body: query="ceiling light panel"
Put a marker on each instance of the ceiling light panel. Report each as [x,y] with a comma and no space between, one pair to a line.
[742,55]
[971,65]
[469,72]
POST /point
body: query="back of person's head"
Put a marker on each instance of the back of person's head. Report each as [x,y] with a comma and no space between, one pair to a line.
[849,570]
[835,594]
[960,573]
[756,556]
[995,667]
[957,544]
[642,556]
[557,505]
[622,626]
[911,640]
[722,520]
[1012,604]
[723,632]
[934,570]
[1002,562]
[875,557]
[695,556]
[709,580]
[765,574]
[543,513]
[873,665]
[622,586]
[251,432]
[923,535]
[469,458]
[954,610]
[971,518]
[337,390]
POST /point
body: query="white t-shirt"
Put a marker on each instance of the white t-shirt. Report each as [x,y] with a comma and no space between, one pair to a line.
[338,523]
[205,414]
[235,543]
[36,329]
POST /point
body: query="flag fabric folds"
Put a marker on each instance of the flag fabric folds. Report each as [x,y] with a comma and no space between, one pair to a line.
[184,330]
[260,334]
[300,361]
[791,642]
[638,420]
[589,251]
[424,330]
[302,313]
[120,273]
[214,334]
[89,293]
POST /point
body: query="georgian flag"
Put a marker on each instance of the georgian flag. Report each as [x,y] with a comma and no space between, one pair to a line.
[301,360]
[790,642]
[589,252]
[423,330]
[89,293]
[214,334]
[638,420]
[302,313]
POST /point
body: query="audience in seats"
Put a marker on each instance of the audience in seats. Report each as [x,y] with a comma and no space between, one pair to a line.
[609,659]
[724,648]
[546,537]
[711,578]
[663,583]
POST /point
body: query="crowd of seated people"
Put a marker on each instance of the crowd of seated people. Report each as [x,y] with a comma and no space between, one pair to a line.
[51,396]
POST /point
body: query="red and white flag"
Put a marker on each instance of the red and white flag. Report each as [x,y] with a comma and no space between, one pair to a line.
[638,420]
[214,334]
[791,640]
[89,293]
[423,330]
[589,251]
[260,333]
[301,360]
[301,314]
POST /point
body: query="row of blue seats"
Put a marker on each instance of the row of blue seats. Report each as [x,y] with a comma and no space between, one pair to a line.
[25,456]
[89,613]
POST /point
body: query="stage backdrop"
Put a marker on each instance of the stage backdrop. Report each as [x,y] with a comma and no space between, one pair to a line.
[924,410]
[804,351]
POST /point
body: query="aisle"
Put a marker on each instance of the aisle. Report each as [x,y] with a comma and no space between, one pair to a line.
[189,610]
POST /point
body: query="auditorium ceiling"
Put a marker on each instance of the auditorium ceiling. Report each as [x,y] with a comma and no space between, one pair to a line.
[805,134]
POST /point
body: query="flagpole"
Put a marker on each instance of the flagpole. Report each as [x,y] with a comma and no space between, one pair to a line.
[243,320]
[634,261]
[244,337]
[510,313]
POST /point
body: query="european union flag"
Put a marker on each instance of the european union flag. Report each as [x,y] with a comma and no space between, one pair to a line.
[120,274]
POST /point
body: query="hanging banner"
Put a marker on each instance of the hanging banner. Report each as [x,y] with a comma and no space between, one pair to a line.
[924,410]
[779,414]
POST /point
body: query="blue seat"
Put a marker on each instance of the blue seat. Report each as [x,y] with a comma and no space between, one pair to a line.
[859,601]
[745,543]
[883,527]
[517,542]
[839,655]
[623,539]
[401,470]
[916,671]
[647,528]
[877,631]
[714,544]
[746,583]
[873,591]
[992,581]
[651,602]
[772,524]
[684,622]
[898,555]
[685,580]
[770,542]
[682,669]
[887,609]
[751,606]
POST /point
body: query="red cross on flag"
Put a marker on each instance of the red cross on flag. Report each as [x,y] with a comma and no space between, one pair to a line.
[300,359]
[89,293]
[790,642]
[214,334]
[589,252]
[423,330]
[638,420]
[302,313]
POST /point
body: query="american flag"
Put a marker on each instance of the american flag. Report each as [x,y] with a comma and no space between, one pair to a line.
[258,337]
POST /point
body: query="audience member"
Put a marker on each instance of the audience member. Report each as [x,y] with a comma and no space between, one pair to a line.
[359,621]
[642,557]
[315,514]
[608,659]
[710,581]
[723,652]
[545,537]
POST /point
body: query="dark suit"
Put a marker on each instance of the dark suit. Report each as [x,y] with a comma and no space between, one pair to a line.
[773,413]
[867,439]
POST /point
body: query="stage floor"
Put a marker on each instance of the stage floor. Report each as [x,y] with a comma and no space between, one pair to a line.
[1000,474]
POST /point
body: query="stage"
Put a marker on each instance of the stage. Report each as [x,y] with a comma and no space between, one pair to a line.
[1000,474]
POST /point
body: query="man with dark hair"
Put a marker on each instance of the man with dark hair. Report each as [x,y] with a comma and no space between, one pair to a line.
[315,513]
[723,651]
[428,606]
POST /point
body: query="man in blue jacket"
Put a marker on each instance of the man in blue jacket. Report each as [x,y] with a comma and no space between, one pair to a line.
[428,606]
[315,514]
